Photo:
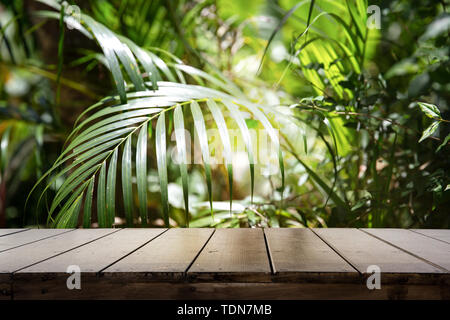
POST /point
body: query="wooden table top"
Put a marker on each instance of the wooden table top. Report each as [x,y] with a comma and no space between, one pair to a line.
[224,263]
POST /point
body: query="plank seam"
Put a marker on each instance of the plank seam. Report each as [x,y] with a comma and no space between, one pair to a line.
[8,234]
[34,241]
[428,236]
[269,254]
[58,254]
[337,251]
[406,251]
[185,273]
[131,252]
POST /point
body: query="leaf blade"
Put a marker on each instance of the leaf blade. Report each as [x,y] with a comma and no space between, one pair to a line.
[225,137]
[141,172]
[101,198]
[126,183]
[87,217]
[161,158]
[111,188]
[199,123]
[181,148]
[429,131]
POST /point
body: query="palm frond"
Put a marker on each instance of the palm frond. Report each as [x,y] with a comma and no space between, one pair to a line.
[108,134]
[108,130]
[121,51]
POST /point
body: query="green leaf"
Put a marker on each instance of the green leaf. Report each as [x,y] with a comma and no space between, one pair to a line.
[76,177]
[429,131]
[88,204]
[4,148]
[225,137]
[111,189]
[69,217]
[160,141]
[181,148]
[237,116]
[332,194]
[278,28]
[85,136]
[273,136]
[103,39]
[60,55]
[146,61]
[65,214]
[444,143]
[252,124]
[141,172]
[225,84]
[199,123]
[95,144]
[163,67]
[101,200]
[440,25]
[147,104]
[114,122]
[430,110]
[126,183]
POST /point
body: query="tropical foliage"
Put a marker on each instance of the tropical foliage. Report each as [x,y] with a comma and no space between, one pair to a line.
[96,97]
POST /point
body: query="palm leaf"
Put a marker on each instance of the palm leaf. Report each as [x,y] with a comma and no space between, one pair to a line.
[104,131]
[160,140]
[199,123]
[181,147]
[141,172]
[126,182]
[98,141]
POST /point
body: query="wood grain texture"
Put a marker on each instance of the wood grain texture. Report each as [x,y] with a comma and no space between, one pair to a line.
[167,256]
[300,254]
[98,254]
[6,284]
[438,234]
[431,250]
[363,250]
[5,232]
[226,264]
[113,288]
[24,256]
[22,238]
[233,254]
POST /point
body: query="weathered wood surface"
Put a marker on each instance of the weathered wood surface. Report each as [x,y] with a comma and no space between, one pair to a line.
[225,263]
[4,232]
[430,250]
[233,255]
[438,234]
[27,255]
[98,255]
[17,239]
[299,253]
[363,250]
[169,255]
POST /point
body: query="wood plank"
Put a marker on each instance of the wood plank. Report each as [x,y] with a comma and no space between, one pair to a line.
[438,234]
[166,257]
[24,256]
[233,254]
[431,250]
[22,238]
[110,288]
[299,253]
[363,250]
[5,232]
[98,254]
